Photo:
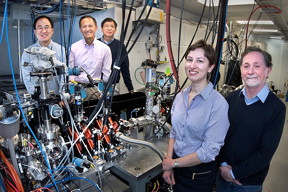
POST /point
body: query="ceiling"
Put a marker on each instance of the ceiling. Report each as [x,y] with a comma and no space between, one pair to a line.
[193,10]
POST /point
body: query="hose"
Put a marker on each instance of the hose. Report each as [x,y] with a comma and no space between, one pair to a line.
[140,142]
[14,174]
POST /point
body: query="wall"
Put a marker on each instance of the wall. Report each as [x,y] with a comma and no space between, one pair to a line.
[278,50]
[25,40]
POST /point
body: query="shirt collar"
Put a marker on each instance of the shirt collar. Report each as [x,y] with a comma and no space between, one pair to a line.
[204,94]
[93,43]
[261,95]
[106,42]
[49,46]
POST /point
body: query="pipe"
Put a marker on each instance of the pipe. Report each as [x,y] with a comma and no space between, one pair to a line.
[19,48]
[13,155]
[140,142]
[167,127]
[168,37]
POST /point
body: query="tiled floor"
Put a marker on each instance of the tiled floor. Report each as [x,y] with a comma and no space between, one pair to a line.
[277,178]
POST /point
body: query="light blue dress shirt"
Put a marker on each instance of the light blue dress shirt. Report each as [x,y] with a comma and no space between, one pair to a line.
[200,127]
[262,95]
[31,82]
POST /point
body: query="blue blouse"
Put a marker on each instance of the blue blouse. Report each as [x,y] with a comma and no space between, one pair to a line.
[200,127]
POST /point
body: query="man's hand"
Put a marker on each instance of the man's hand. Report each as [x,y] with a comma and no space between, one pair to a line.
[226,174]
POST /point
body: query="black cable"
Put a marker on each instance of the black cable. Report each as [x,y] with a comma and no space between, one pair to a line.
[215,25]
[117,64]
[114,73]
[199,22]
[221,31]
[136,23]
[208,21]
[180,30]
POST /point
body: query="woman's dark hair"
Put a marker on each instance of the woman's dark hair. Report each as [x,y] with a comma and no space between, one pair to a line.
[209,51]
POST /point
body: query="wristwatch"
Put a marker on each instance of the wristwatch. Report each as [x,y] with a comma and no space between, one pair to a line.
[176,164]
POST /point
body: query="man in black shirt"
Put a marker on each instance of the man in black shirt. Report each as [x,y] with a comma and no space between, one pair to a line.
[109,27]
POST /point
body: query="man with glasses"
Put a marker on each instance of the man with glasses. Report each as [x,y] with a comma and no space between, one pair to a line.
[91,55]
[109,27]
[43,30]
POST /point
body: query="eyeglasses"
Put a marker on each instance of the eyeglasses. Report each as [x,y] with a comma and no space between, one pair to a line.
[46,27]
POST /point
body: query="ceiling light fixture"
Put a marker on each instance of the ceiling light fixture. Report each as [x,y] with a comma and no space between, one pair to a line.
[276,37]
[261,22]
[266,30]
[230,2]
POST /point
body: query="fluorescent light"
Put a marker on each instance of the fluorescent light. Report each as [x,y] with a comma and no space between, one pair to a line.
[266,30]
[276,37]
[230,2]
[262,22]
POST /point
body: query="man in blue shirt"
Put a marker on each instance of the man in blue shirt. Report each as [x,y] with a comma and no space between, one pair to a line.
[43,30]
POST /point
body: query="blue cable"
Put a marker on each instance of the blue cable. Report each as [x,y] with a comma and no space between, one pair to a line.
[2,183]
[19,102]
[74,178]
[50,10]
[4,20]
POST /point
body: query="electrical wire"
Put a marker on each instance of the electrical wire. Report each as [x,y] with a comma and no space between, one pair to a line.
[221,31]
[180,30]
[2,183]
[7,172]
[76,178]
[49,10]
[19,101]
[4,20]
[11,185]
[169,47]
[277,11]
[119,60]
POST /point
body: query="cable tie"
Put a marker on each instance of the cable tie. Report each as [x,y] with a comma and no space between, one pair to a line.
[116,67]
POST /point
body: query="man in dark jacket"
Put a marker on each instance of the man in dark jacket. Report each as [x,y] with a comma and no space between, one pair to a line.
[109,27]
[256,118]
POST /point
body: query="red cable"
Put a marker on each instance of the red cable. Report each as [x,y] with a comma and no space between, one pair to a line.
[14,174]
[279,11]
[10,185]
[168,37]
[5,169]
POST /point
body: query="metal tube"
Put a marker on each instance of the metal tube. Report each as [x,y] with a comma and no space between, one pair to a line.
[19,48]
[140,142]
[12,155]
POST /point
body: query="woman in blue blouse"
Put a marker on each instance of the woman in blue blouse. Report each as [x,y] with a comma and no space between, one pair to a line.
[199,126]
